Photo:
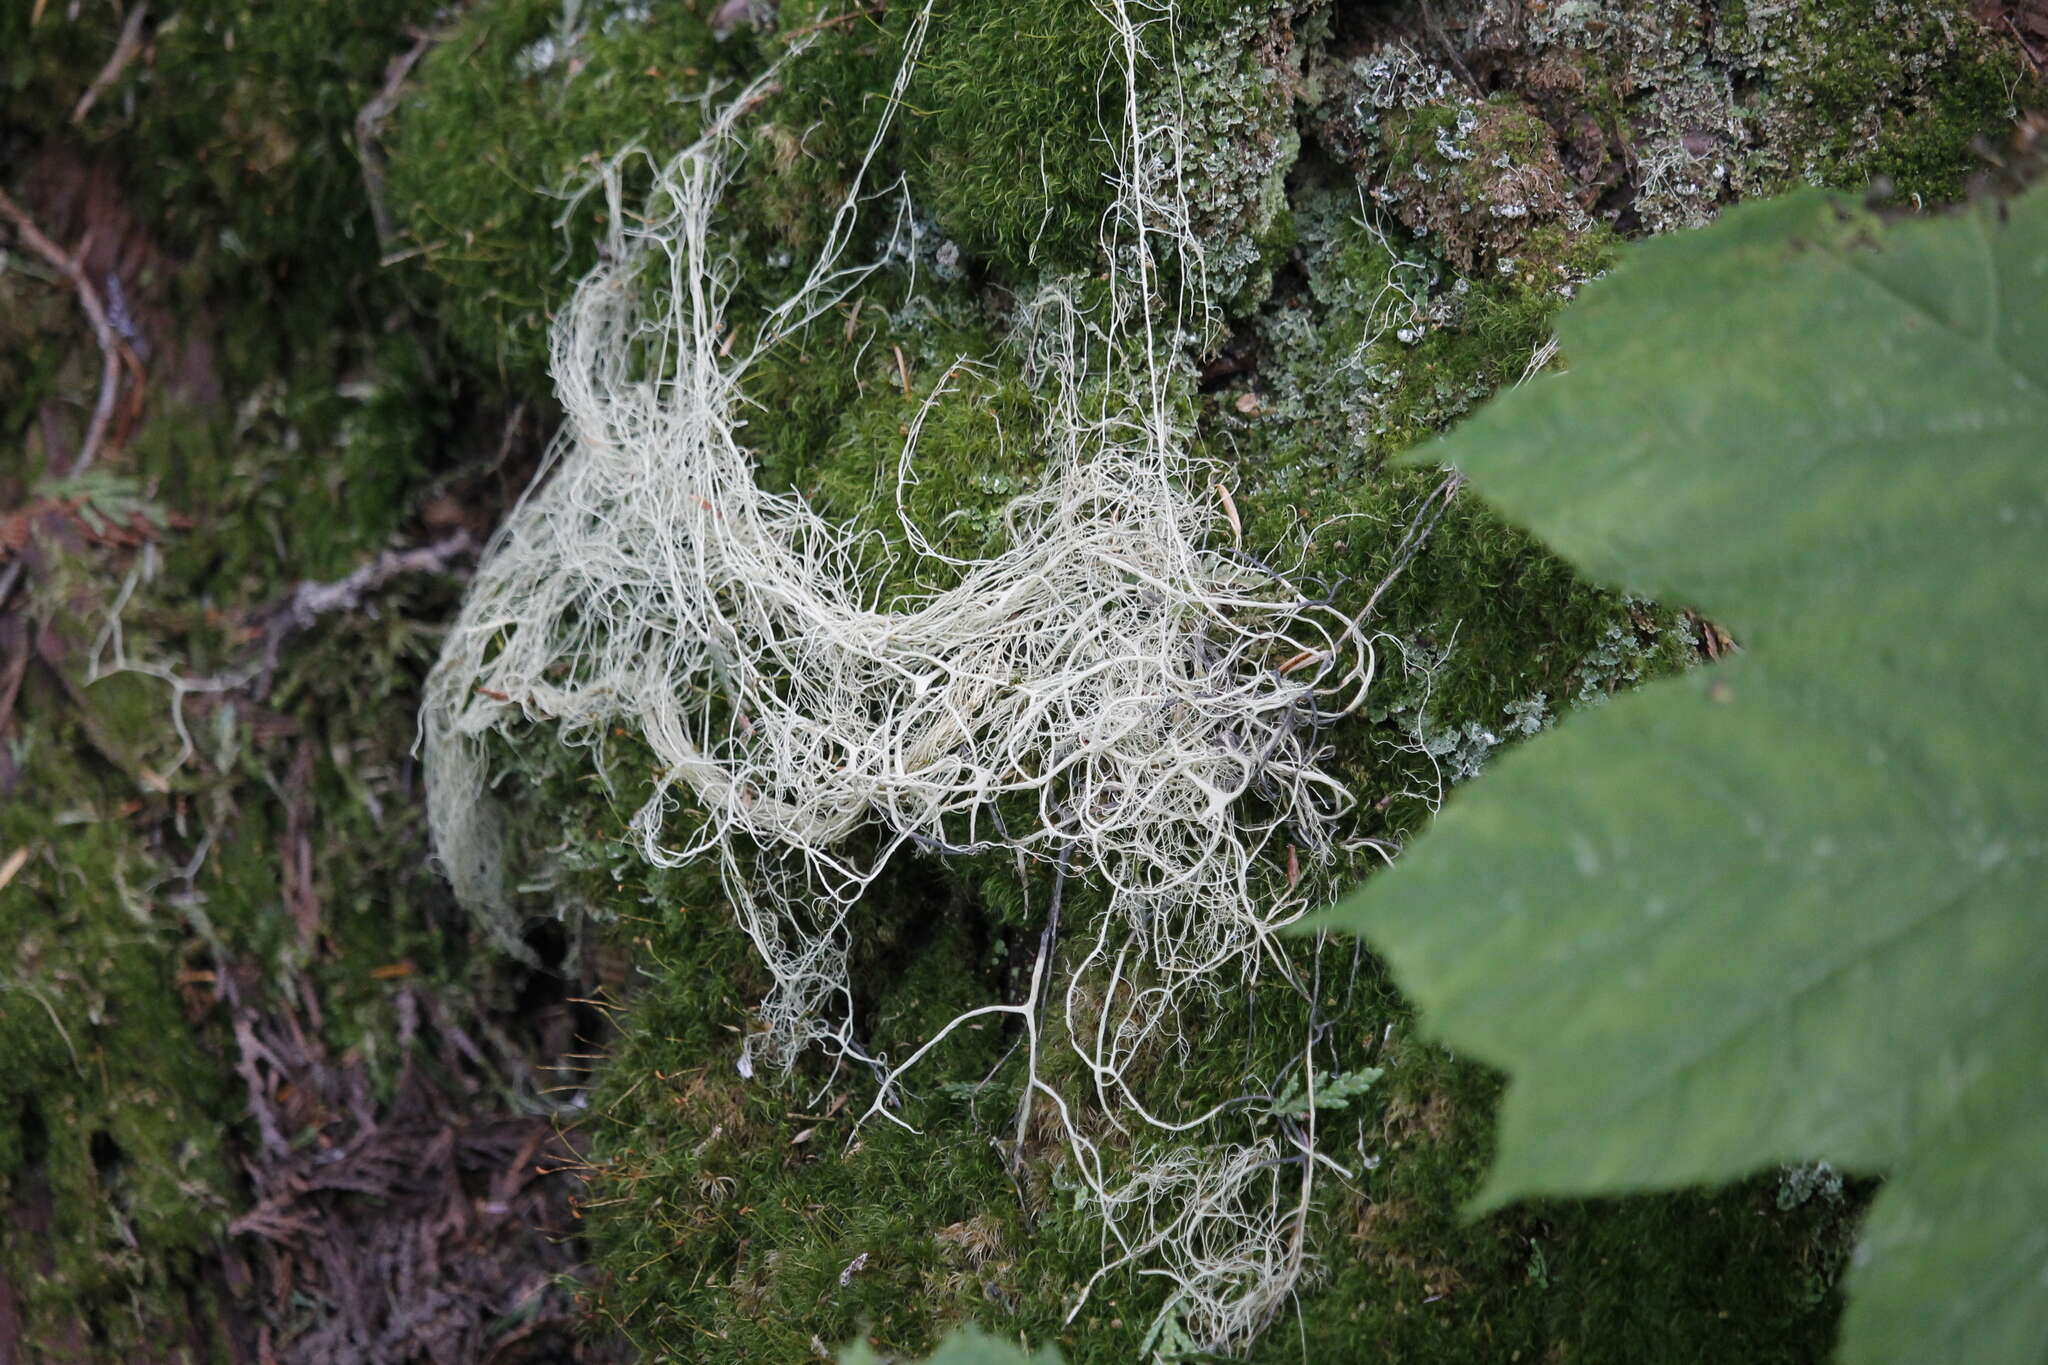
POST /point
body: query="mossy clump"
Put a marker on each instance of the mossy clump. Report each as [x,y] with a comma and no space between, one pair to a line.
[1015,138]
[1004,141]
[151,795]
[1475,177]
[734,1218]
[158,773]
[512,113]
[1748,1273]
[101,1074]
[506,118]
[736,1222]
[830,412]
[1014,135]
[1909,95]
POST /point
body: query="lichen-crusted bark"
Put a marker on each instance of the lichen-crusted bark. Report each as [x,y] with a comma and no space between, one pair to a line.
[1390,206]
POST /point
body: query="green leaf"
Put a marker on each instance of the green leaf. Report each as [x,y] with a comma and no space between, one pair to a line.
[1792,905]
[968,1346]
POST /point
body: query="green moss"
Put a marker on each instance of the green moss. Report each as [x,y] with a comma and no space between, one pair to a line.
[150,868]
[1477,135]
[251,158]
[975,454]
[1903,93]
[1001,138]
[1729,1276]
[120,1114]
[1500,323]
[1014,134]
[1408,136]
[46,64]
[309,478]
[101,1075]
[1475,178]
[510,111]
[736,1221]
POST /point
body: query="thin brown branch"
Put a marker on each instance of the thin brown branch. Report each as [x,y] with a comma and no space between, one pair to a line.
[310,600]
[95,311]
[370,124]
[125,49]
[16,633]
[2040,65]
[836,19]
[1447,47]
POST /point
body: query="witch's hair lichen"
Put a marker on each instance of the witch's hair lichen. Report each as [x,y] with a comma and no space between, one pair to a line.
[1122,691]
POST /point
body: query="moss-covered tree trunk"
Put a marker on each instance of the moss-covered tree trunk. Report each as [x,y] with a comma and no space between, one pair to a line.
[264,1086]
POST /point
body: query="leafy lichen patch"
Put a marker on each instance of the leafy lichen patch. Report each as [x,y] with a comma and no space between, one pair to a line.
[1665,112]
[1473,179]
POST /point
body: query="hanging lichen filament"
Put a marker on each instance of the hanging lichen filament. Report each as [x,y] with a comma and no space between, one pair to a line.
[1121,691]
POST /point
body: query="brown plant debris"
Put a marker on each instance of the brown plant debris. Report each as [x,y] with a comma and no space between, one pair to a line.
[429,1226]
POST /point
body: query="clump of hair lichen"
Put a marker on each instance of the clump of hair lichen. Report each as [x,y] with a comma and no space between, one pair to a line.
[1393,235]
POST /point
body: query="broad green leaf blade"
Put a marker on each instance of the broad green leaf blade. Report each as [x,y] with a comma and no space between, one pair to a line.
[1698,946]
[1971,1207]
[1792,906]
[1749,404]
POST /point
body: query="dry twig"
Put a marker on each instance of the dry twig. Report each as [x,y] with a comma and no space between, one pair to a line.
[412,1228]
[837,19]
[111,346]
[370,123]
[310,600]
[125,49]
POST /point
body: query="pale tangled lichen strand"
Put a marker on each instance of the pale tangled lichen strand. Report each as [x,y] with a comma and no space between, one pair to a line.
[1149,693]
